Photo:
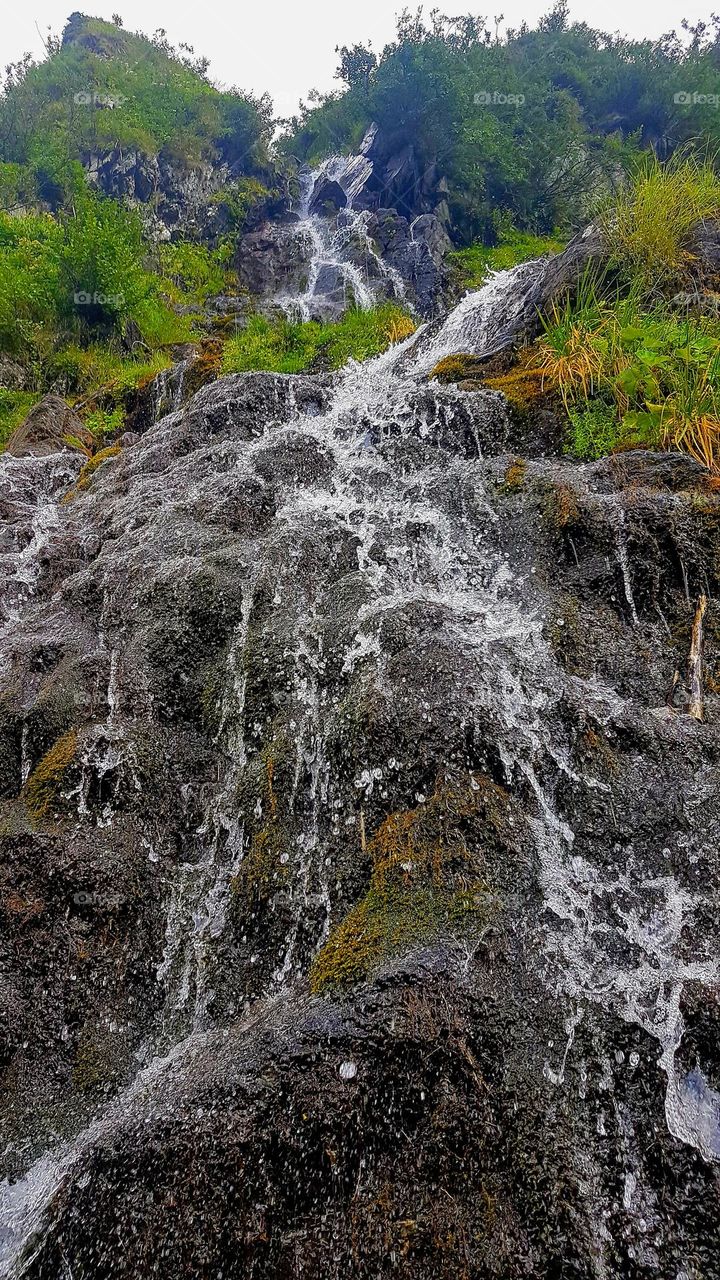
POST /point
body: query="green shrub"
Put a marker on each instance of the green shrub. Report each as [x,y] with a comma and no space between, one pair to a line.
[282,346]
[595,429]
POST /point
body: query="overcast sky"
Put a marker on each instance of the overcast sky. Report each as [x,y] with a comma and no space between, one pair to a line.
[287,47]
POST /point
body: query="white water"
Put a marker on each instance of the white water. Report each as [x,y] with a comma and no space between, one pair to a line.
[345,268]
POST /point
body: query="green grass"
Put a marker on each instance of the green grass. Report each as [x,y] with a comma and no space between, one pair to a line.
[281,346]
[648,223]
[14,408]
[634,374]
[474,264]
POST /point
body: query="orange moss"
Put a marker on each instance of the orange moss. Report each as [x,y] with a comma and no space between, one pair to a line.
[88,471]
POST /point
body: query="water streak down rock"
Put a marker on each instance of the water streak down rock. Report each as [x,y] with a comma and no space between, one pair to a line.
[357,881]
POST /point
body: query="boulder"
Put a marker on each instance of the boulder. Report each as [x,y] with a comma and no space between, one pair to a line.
[46,430]
[327,197]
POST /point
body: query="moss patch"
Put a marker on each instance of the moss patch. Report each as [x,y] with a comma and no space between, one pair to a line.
[428,877]
[263,871]
[42,789]
[458,368]
[515,476]
[88,471]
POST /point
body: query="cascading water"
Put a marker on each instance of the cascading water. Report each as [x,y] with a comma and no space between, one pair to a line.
[345,268]
[385,479]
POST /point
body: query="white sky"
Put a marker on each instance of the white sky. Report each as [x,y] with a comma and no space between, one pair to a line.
[287,47]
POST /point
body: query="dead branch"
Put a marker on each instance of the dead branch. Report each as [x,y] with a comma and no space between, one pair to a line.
[695,673]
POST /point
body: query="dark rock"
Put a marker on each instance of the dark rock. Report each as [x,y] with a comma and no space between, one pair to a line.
[417,251]
[46,428]
[327,196]
[12,375]
[273,260]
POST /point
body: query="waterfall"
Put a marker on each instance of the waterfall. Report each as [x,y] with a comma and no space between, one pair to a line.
[419,527]
[344,266]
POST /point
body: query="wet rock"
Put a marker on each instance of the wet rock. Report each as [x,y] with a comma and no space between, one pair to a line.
[46,430]
[273,260]
[327,196]
[334,731]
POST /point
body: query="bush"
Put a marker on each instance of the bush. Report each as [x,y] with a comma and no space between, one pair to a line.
[648,223]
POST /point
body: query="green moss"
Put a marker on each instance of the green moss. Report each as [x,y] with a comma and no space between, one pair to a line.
[428,877]
[42,790]
[88,471]
[521,386]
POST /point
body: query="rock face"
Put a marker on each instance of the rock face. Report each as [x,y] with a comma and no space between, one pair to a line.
[417,251]
[273,260]
[12,376]
[358,868]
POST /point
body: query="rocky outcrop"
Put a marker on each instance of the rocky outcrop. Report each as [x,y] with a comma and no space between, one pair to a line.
[417,251]
[359,855]
[12,375]
[273,260]
[48,429]
[387,174]
[359,851]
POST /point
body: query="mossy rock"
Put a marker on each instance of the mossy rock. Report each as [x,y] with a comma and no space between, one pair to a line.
[264,869]
[88,471]
[42,792]
[459,368]
[515,474]
[429,878]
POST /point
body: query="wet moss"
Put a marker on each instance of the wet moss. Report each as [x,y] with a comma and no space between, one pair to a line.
[458,368]
[97,1061]
[515,476]
[428,877]
[205,368]
[564,633]
[561,507]
[42,790]
[264,871]
[522,387]
[88,471]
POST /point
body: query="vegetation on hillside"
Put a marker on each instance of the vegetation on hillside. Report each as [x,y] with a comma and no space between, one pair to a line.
[104,88]
[635,358]
[529,124]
